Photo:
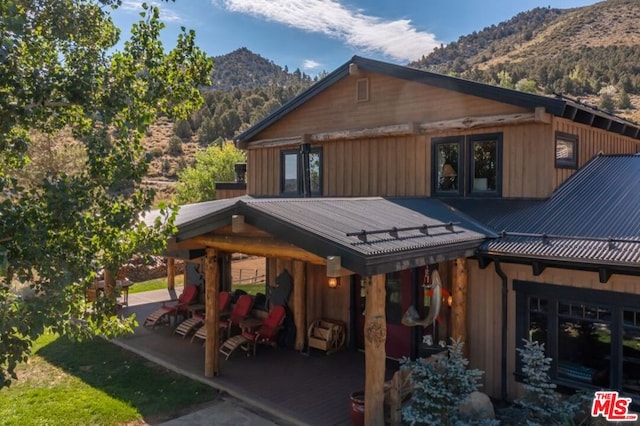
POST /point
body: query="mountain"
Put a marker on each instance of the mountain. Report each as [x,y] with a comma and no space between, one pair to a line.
[243,69]
[582,52]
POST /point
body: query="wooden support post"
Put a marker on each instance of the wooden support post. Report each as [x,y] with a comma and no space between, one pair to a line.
[212,314]
[459,308]
[171,273]
[375,332]
[109,283]
[300,303]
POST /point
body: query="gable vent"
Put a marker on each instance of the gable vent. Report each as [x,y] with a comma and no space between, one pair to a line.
[362,90]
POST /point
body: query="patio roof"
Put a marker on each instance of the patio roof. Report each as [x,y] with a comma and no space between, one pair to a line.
[371,235]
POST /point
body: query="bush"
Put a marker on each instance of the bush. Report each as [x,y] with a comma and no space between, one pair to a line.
[439,388]
[542,405]
[175,146]
[182,129]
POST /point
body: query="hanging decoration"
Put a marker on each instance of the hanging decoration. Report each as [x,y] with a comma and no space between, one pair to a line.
[411,318]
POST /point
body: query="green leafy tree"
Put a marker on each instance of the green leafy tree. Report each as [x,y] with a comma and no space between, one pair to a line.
[59,70]
[215,164]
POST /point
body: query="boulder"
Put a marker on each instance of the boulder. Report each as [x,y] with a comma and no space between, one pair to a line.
[476,406]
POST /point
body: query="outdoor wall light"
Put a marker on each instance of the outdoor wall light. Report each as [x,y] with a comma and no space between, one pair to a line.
[450,301]
[333,282]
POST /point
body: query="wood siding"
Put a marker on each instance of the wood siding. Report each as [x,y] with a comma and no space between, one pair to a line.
[485,313]
[590,142]
[391,101]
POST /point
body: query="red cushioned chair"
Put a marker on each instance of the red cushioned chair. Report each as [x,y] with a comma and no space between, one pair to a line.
[187,326]
[163,313]
[240,312]
[268,330]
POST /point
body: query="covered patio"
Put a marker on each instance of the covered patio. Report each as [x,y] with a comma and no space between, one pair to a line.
[291,386]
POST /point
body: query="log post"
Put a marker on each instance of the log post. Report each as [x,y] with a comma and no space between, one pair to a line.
[375,332]
[109,283]
[459,309]
[212,314]
[171,273]
[300,303]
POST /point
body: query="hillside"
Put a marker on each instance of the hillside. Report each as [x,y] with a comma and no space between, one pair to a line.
[578,52]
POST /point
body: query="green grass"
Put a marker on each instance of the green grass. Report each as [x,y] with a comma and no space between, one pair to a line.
[95,383]
[161,283]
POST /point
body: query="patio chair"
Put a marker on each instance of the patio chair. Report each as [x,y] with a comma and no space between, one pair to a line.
[163,313]
[239,312]
[267,332]
[187,326]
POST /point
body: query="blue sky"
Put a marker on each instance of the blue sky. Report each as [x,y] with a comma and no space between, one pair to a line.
[317,35]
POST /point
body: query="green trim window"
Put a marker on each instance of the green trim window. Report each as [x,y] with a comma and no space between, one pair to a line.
[566,151]
[467,165]
[592,336]
[292,172]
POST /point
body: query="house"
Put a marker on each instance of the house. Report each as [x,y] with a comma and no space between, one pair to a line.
[379,175]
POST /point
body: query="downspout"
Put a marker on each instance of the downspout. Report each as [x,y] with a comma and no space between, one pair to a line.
[503,377]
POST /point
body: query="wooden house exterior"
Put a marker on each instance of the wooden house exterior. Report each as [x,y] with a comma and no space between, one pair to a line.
[375,150]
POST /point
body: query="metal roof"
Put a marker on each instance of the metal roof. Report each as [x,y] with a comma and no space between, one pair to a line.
[398,233]
[559,106]
[594,217]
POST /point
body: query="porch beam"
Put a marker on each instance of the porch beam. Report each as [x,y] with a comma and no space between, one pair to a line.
[459,308]
[265,247]
[300,303]
[171,273]
[375,332]
[212,314]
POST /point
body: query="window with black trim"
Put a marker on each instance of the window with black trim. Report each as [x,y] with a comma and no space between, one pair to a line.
[292,172]
[592,336]
[566,151]
[464,165]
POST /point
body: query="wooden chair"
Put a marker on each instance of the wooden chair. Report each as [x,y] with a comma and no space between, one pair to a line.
[268,330]
[187,326]
[163,313]
[239,312]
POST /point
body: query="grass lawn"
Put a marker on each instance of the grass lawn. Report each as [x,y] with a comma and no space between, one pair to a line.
[95,383]
[161,283]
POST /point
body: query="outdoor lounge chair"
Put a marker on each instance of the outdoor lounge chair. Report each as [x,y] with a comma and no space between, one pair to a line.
[239,312]
[265,332]
[163,313]
[187,326]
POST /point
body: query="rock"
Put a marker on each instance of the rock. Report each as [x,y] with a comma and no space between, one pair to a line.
[476,406]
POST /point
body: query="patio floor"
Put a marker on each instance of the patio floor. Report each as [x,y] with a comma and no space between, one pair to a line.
[293,387]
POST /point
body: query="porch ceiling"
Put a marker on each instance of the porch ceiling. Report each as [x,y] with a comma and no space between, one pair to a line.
[334,227]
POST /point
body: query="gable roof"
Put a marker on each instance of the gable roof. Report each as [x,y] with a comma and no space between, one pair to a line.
[426,230]
[558,106]
[592,218]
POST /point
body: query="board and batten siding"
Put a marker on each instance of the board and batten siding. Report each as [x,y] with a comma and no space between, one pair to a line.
[391,101]
[485,313]
[591,141]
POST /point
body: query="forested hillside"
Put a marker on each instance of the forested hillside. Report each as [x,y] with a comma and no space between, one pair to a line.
[590,52]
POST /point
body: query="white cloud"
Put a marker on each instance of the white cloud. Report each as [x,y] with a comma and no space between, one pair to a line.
[310,64]
[397,39]
[166,15]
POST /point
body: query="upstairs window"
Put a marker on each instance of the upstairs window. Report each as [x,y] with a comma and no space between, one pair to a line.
[292,173]
[468,165]
[566,151]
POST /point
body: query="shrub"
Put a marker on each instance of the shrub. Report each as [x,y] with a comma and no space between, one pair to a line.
[439,387]
[175,146]
[182,129]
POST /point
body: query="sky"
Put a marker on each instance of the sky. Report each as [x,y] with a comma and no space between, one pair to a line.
[321,35]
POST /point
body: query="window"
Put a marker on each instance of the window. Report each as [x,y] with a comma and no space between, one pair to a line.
[468,165]
[393,294]
[566,151]
[362,90]
[592,336]
[292,172]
